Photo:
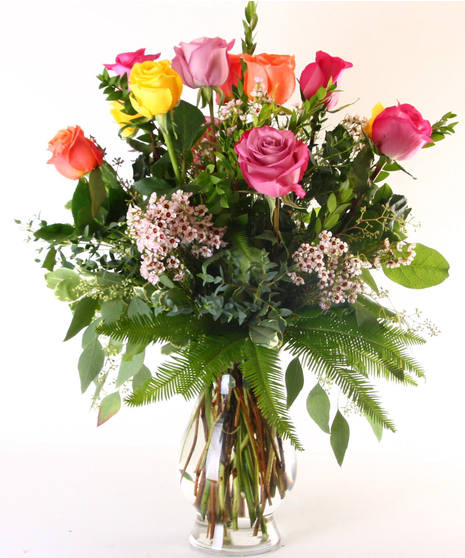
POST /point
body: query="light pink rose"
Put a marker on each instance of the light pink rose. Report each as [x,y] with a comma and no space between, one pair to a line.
[203,62]
[318,73]
[126,60]
[272,161]
[400,131]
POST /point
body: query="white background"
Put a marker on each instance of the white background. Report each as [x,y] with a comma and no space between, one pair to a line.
[69,489]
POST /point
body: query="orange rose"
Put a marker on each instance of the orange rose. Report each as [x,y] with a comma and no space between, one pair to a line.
[275,72]
[73,154]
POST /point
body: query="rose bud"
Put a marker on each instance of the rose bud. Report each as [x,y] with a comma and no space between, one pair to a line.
[318,73]
[73,154]
[400,131]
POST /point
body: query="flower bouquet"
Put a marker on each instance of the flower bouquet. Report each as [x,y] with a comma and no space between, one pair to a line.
[243,232]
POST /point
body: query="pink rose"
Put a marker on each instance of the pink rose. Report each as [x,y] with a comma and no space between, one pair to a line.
[203,61]
[126,60]
[318,73]
[272,161]
[400,131]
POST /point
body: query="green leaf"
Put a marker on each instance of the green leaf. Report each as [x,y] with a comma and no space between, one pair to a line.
[90,363]
[50,259]
[57,232]
[109,406]
[318,407]
[187,122]
[141,380]
[429,268]
[83,314]
[97,191]
[339,438]
[90,334]
[294,380]
[147,186]
[81,205]
[376,426]
[331,204]
[363,316]
[264,336]
[368,278]
[64,281]
[112,310]
[130,365]
[137,307]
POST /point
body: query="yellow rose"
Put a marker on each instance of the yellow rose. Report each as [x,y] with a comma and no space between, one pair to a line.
[377,109]
[123,118]
[155,87]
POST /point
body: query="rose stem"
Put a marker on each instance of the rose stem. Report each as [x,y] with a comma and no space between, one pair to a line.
[163,121]
[196,431]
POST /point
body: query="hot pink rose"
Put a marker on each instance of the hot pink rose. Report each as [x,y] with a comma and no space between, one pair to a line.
[272,161]
[126,60]
[318,73]
[400,131]
[203,61]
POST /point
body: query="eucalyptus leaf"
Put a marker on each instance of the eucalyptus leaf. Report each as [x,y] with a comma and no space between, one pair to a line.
[57,232]
[318,407]
[90,363]
[377,427]
[83,313]
[112,310]
[130,365]
[265,336]
[340,433]
[109,406]
[137,307]
[141,380]
[294,380]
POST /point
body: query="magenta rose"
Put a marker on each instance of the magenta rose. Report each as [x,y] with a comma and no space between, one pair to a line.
[272,161]
[400,131]
[126,60]
[318,73]
[203,62]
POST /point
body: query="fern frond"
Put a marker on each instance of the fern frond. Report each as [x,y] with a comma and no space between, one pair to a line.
[262,370]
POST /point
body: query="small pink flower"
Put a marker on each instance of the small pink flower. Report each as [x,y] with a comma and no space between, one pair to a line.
[126,60]
[400,131]
[272,161]
[203,61]
[318,73]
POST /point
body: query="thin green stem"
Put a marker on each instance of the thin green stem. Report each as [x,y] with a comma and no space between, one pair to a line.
[163,122]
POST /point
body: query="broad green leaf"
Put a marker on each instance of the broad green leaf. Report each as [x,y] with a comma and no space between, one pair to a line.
[90,363]
[265,336]
[130,365]
[64,281]
[376,427]
[81,205]
[97,190]
[368,278]
[83,314]
[318,407]
[428,268]
[112,310]
[339,438]
[141,380]
[109,176]
[137,307]
[109,406]
[147,186]
[50,259]
[331,204]
[187,123]
[90,334]
[294,380]
[57,231]
[363,316]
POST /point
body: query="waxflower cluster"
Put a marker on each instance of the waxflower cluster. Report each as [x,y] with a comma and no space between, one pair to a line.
[390,257]
[166,225]
[337,270]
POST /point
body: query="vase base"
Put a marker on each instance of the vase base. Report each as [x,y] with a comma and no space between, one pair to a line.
[240,542]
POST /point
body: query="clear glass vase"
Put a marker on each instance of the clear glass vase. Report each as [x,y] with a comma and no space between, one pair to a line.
[235,469]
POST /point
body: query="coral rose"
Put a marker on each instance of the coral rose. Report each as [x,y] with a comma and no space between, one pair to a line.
[126,60]
[274,73]
[203,62]
[318,73]
[400,131]
[272,161]
[73,154]
[155,88]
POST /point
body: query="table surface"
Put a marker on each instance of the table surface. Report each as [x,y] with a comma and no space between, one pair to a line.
[120,502]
